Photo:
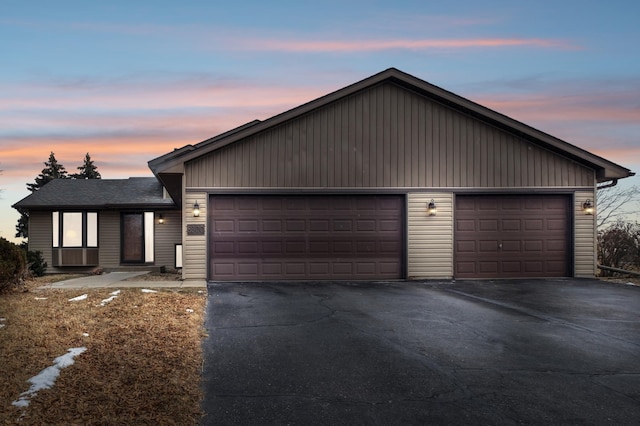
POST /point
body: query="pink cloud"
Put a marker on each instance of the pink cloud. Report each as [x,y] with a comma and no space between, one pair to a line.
[408,44]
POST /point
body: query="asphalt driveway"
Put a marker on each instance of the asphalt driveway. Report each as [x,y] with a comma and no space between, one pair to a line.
[469,352]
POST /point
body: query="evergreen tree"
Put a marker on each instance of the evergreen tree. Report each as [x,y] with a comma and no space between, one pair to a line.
[88,170]
[53,170]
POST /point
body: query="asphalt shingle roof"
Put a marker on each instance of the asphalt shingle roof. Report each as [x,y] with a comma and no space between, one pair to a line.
[97,194]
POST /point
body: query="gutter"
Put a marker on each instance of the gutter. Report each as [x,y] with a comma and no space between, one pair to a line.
[614,182]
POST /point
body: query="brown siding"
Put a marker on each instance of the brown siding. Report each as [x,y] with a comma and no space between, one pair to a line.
[385,136]
[167,235]
[40,230]
[109,238]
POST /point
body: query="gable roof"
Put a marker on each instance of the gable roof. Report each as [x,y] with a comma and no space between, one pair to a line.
[170,166]
[136,192]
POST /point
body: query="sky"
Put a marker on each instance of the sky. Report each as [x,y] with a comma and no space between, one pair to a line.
[128,81]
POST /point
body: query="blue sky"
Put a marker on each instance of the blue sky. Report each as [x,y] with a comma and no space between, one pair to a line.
[129,81]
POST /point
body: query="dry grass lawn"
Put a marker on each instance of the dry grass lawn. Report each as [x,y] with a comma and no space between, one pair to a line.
[142,364]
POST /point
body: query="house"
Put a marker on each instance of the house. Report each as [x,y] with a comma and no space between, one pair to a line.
[82,225]
[388,178]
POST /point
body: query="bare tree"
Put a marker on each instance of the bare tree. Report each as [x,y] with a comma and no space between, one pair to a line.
[615,204]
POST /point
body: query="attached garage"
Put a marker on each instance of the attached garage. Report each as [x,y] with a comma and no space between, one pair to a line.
[340,188]
[506,236]
[313,237]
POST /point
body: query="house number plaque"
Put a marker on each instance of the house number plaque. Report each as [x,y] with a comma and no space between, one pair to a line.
[195,229]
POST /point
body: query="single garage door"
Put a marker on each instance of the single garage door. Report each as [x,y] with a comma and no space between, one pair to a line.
[510,236]
[258,237]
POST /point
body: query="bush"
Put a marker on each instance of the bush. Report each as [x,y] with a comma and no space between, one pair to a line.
[13,264]
[619,246]
[36,263]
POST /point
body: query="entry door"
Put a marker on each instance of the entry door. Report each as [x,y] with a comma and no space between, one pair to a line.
[132,238]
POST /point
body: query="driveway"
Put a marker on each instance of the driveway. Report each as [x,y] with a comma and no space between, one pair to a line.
[469,352]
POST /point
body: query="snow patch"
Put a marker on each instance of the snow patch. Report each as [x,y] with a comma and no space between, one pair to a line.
[47,377]
[41,298]
[189,311]
[113,296]
[77,299]
[85,334]
[146,290]
[1,321]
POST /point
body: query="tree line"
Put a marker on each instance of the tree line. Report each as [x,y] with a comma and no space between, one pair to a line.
[54,170]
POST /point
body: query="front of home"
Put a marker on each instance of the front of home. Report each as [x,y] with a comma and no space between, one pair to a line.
[389,178]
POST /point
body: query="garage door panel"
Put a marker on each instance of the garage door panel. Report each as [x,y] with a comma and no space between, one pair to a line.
[531,237]
[300,237]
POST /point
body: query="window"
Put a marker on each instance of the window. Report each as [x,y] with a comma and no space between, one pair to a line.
[74,229]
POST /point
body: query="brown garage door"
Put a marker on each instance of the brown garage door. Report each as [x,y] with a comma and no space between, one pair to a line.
[507,236]
[254,237]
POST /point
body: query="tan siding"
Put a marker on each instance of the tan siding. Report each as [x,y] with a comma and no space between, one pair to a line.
[40,237]
[167,235]
[430,238]
[585,237]
[194,248]
[384,136]
[109,238]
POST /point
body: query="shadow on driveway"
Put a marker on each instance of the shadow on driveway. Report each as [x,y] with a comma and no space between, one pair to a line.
[468,352]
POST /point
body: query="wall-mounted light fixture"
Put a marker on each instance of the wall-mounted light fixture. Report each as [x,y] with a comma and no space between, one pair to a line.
[431,208]
[196,209]
[587,207]
[160,219]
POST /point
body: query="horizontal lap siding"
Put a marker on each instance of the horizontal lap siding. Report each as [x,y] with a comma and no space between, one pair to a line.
[430,238]
[384,137]
[109,238]
[585,236]
[167,235]
[194,261]
[40,237]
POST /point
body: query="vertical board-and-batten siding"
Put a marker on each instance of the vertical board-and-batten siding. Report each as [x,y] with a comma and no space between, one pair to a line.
[584,236]
[385,137]
[194,255]
[430,238]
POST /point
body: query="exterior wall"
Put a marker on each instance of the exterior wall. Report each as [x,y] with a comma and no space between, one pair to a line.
[385,137]
[109,238]
[40,230]
[167,235]
[194,258]
[430,238]
[585,236]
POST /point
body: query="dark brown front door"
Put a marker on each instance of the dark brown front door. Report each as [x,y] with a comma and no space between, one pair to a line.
[305,237]
[511,236]
[132,238]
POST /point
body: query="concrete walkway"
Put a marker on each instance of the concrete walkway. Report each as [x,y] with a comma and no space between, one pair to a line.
[116,280]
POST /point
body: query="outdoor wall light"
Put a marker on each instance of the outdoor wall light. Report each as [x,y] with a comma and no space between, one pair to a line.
[587,207]
[431,208]
[196,209]
[160,219]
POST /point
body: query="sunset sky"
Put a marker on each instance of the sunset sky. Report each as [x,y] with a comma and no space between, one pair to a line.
[128,81]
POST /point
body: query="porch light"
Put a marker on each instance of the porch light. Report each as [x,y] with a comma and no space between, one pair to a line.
[587,207]
[160,219]
[431,208]
[196,209]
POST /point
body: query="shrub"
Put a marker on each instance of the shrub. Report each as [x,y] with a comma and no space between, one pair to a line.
[619,246]
[36,263]
[13,264]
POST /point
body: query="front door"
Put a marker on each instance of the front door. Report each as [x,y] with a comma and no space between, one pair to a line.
[132,238]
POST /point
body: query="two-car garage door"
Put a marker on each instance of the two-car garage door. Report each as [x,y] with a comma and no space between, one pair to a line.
[273,237]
